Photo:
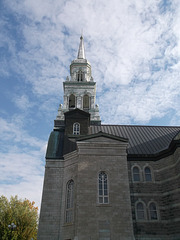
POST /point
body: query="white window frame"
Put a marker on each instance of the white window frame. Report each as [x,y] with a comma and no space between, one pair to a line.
[69,202]
[144,211]
[145,174]
[150,211]
[76,128]
[103,189]
[132,170]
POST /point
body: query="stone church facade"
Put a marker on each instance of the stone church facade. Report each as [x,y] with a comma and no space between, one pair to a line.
[107,182]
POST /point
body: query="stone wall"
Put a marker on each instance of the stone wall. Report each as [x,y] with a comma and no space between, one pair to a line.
[93,220]
[117,219]
[164,190]
[51,201]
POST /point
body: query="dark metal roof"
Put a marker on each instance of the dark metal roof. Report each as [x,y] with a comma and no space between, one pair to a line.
[143,140]
[55,145]
[59,144]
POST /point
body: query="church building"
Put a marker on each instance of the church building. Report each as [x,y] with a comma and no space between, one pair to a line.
[107,182]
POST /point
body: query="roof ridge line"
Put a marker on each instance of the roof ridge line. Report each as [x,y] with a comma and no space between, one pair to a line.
[126,125]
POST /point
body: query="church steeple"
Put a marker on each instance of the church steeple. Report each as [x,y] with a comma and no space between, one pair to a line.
[80,88]
[80,68]
[81,52]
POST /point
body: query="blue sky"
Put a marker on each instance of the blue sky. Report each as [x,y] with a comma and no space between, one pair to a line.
[134,50]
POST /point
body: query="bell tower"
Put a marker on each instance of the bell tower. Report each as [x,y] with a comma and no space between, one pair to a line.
[79,89]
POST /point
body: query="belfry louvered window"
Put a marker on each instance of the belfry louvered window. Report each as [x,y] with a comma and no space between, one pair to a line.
[72,101]
[103,188]
[69,201]
[86,102]
[80,76]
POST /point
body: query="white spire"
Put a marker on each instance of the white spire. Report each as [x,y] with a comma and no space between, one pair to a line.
[81,52]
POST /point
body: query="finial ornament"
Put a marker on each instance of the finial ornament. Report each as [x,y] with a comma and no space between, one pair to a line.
[81,52]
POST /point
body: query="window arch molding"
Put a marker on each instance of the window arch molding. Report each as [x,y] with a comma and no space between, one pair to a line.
[148,173]
[103,187]
[136,173]
[69,207]
[76,128]
[140,210]
[153,211]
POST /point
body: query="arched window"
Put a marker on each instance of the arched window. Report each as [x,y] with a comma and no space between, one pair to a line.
[136,174]
[72,101]
[80,76]
[69,201]
[140,214]
[76,128]
[153,211]
[103,188]
[86,102]
[148,176]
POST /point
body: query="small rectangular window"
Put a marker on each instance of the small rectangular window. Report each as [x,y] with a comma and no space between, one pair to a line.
[136,174]
[76,129]
[153,211]
[148,176]
[140,211]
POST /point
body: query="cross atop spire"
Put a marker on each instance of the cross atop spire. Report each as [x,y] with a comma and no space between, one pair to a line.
[81,52]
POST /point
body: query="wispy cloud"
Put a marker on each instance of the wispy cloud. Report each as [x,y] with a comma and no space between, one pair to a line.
[22,102]
[22,161]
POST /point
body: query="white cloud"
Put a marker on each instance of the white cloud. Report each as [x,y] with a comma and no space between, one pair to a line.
[22,174]
[22,162]
[123,38]
[22,102]
[142,101]
[126,42]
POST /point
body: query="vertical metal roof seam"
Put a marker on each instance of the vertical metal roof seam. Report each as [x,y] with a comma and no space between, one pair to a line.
[152,135]
[113,131]
[135,138]
[155,134]
[165,134]
[143,139]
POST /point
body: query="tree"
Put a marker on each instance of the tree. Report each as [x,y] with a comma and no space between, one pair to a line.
[23,214]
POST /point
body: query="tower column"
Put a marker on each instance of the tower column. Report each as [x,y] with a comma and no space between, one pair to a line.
[92,102]
[79,102]
[66,99]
